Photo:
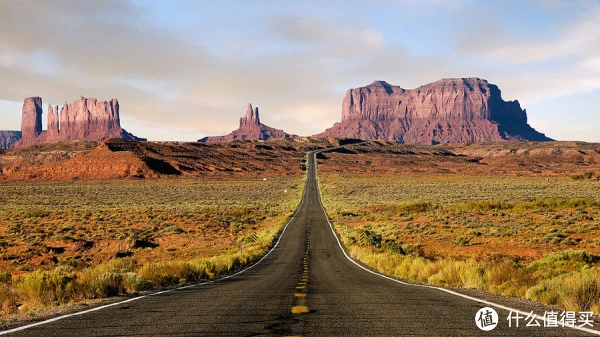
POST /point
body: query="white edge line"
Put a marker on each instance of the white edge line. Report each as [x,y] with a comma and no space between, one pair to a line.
[24,327]
[595,332]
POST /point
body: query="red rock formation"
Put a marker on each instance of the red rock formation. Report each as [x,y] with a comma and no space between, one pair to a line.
[53,121]
[251,119]
[90,119]
[84,119]
[454,110]
[31,120]
[8,138]
[250,129]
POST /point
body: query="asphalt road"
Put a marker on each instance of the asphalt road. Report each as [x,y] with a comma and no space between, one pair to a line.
[305,287]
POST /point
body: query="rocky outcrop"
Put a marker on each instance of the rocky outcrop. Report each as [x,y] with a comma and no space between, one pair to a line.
[8,138]
[466,110]
[250,129]
[53,121]
[31,118]
[85,119]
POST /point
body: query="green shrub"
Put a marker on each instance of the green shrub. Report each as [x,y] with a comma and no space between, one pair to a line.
[481,206]
[174,229]
[106,285]
[44,288]
[5,277]
[393,246]
[461,241]
[133,283]
[407,208]
[558,263]
[69,262]
[586,175]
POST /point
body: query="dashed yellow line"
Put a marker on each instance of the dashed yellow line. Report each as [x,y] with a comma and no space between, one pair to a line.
[299,309]
[301,292]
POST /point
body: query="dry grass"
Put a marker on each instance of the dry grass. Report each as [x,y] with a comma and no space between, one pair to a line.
[511,236]
[67,242]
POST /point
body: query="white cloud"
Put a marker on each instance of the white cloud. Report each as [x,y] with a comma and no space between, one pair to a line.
[295,64]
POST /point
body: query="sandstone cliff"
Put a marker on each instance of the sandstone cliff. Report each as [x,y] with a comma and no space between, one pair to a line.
[85,119]
[8,138]
[466,110]
[250,129]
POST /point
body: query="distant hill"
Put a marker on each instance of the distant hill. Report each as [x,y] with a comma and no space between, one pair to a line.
[8,138]
[119,159]
[250,129]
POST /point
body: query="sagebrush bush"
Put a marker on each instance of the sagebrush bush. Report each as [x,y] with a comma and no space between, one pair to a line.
[8,300]
[578,291]
[461,241]
[107,284]
[5,277]
[43,288]
[581,291]
[167,273]
[133,283]
[407,207]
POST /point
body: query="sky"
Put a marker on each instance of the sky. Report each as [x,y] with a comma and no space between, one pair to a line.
[182,70]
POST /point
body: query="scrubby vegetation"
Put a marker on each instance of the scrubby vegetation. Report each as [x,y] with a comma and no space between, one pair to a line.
[67,242]
[526,237]
[64,284]
[586,175]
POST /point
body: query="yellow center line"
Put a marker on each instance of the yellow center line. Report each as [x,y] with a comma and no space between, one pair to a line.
[299,309]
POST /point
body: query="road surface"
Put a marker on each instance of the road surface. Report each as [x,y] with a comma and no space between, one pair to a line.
[305,287]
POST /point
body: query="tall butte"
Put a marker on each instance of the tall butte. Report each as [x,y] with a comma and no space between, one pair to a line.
[250,129]
[456,110]
[85,119]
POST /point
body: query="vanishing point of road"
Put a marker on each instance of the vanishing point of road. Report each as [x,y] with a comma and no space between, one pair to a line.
[306,286]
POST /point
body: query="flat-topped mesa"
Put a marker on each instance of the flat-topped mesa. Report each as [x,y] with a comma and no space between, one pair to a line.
[85,119]
[90,119]
[455,110]
[250,129]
